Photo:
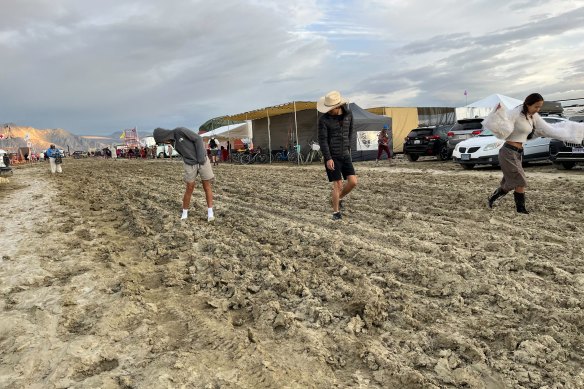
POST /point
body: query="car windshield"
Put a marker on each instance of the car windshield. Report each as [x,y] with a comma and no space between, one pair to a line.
[486,132]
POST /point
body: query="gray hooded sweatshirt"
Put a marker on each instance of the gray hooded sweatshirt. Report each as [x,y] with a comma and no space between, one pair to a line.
[188,144]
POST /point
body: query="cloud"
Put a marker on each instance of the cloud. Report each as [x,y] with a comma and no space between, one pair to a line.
[94,67]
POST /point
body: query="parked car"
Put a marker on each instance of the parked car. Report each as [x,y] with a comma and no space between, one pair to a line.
[5,169]
[162,151]
[425,141]
[483,149]
[79,154]
[565,155]
[462,130]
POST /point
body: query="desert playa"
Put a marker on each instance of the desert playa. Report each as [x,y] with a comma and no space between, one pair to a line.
[419,286]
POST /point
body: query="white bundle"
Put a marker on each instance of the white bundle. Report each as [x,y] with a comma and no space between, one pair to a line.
[499,122]
[567,131]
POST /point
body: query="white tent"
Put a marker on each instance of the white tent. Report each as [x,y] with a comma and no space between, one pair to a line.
[484,106]
[232,131]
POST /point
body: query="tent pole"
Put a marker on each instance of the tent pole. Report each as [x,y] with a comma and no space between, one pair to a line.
[229,141]
[296,129]
[269,135]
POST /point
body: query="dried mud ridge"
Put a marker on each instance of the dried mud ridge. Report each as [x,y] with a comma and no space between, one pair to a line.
[419,286]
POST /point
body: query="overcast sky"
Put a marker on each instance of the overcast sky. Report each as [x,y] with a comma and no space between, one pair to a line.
[98,66]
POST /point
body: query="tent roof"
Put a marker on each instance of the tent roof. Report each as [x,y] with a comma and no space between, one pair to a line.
[493,100]
[272,111]
[359,114]
[234,131]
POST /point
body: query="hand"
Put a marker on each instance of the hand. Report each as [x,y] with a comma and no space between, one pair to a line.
[330,164]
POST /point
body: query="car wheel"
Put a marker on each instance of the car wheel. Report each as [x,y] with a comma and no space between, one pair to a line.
[160,155]
[444,154]
[564,165]
[412,157]
[467,166]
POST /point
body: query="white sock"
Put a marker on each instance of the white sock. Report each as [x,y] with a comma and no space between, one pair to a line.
[185,213]
[209,212]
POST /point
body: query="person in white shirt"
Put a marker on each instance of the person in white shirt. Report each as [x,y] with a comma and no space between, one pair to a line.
[516,127]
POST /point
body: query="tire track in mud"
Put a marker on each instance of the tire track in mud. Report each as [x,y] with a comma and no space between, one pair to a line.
[389,281]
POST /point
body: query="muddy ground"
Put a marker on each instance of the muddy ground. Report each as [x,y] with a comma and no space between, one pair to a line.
[419,286]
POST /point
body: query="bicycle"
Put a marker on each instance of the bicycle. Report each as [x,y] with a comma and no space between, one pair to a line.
[253,156]
[294,154]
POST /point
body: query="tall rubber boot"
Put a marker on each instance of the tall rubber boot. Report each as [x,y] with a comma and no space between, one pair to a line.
[520,202]
[498,193]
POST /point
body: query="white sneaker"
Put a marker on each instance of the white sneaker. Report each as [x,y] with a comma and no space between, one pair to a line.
[210,218]
[184,215]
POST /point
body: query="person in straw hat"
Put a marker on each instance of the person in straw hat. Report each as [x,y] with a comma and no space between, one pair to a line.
[335,130]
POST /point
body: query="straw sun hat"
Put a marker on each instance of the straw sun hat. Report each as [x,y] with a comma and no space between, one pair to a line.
[330,101]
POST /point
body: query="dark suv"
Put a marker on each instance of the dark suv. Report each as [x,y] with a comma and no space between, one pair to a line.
[462,130]
[566,155]
[427,141]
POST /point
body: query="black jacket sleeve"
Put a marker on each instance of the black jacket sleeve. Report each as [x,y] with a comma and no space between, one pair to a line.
[323,139]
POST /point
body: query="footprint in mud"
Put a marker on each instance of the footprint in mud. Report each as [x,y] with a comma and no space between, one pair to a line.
[96,368]
[84,234]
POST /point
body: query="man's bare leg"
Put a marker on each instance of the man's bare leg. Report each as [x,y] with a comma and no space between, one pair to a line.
[209,198]
[187,199]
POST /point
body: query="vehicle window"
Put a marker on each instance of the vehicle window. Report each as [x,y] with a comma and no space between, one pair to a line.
[420,132]
[474,125]
[551,120]
[443,130]
[486,133]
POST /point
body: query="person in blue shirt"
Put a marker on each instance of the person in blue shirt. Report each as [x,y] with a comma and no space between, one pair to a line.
[54,156]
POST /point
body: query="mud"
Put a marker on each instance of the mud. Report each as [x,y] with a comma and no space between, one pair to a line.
[419,286]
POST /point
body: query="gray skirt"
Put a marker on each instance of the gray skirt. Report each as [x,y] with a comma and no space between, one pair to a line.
[513,173]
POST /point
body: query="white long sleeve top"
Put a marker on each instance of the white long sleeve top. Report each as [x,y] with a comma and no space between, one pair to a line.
[514,126]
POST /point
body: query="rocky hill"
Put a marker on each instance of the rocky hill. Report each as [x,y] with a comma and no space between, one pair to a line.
[15,136]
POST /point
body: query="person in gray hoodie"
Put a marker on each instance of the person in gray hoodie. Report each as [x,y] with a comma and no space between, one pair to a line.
[192,149]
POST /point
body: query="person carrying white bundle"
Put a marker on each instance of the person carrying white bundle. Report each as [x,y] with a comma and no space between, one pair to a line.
[516,126]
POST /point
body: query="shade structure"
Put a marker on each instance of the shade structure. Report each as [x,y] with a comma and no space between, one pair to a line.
[232,131]
[274,110]
[301,128]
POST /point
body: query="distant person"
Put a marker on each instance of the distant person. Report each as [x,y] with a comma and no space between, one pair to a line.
[213,147]
[383,143]
[516,127]
[335,132]
[55,159]
[191,147]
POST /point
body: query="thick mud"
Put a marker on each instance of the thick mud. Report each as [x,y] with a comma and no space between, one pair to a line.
[419,286]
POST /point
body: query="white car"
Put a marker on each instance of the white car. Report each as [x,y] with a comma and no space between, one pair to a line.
[162,151]
[483,149]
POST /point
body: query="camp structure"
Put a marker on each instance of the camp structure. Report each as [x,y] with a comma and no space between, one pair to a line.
[483,107]
[405,119]
[230,131]
[296,123]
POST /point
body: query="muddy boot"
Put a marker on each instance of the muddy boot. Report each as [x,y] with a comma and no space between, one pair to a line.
[498,193]
[520,202]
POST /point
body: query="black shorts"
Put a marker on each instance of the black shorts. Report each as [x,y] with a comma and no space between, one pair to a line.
[343,168]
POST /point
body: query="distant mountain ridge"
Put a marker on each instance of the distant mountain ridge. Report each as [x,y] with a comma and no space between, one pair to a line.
[16,136]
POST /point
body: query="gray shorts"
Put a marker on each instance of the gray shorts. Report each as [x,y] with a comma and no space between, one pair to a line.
[205,171]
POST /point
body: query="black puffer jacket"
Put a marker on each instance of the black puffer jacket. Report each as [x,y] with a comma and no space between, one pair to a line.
[335,134]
